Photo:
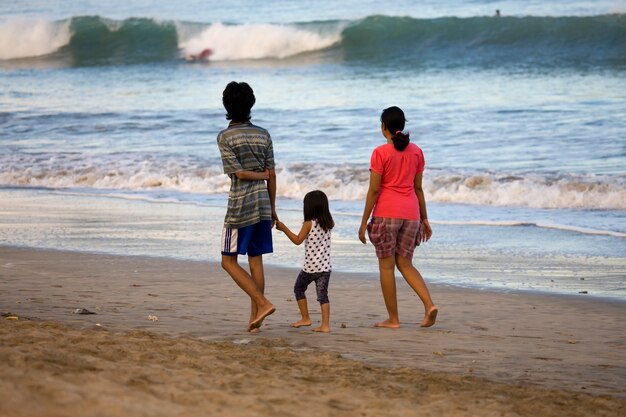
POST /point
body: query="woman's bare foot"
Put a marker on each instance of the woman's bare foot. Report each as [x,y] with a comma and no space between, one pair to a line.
[301,323]
[261,315]
[431,317]
[388,324]
[322,329]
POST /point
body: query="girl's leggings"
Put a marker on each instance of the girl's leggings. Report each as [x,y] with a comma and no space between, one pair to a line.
[321,285]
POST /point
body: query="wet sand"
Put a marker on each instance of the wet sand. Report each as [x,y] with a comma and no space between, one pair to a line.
[490,353]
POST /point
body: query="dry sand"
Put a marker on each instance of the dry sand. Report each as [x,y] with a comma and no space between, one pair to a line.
[490,353]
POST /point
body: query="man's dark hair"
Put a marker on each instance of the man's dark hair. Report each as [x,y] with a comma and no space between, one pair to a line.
[238,99]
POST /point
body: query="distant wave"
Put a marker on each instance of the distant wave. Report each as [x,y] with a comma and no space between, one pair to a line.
[485,41]
[254,41]
[341,182]
[542,225]
[94,40]
[489,41]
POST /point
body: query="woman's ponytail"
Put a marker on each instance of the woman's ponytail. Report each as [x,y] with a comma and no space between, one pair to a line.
[400,140]
[393,119]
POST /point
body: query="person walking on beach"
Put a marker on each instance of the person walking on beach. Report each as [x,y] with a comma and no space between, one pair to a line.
[248,159]
[315,233]
[399,222]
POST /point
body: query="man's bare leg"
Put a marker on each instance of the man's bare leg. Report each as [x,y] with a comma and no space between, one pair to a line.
[304,312]
[258,276]
[249,286]
[386,266]
[325,327]
[415,280]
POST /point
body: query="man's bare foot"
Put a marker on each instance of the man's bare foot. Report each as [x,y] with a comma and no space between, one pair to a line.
[322,329]
[431,317]
[301,323]
[256,323]
[388,324]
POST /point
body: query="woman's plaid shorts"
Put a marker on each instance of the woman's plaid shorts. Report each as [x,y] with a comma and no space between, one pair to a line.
[391,236]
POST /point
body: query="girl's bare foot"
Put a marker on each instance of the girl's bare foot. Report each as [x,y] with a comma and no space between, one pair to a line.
[388,324]
[255,330]
[431,317]
[322,329]
[301,323]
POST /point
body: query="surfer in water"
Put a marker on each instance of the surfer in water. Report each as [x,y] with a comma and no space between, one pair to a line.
[202,56]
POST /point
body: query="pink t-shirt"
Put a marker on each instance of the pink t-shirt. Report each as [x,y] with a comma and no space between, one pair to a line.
[397,198]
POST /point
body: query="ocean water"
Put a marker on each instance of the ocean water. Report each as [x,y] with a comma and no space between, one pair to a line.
[107,136]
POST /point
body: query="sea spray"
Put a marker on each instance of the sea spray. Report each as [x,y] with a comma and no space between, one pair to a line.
[256,41]
[23,38]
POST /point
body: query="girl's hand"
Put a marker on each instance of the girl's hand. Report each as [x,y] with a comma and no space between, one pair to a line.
[266,174]
[280,226]
[362,233]
[426,230]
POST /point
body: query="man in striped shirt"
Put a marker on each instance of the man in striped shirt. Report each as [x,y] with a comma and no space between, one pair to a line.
[248,159]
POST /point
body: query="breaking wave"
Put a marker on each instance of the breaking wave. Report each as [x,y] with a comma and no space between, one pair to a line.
[485,41]
[348,182]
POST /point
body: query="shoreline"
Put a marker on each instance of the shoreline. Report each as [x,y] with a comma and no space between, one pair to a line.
[493,258]
[540,340]
[358,276]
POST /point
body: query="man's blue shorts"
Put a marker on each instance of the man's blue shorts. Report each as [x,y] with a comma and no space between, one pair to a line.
[253,240]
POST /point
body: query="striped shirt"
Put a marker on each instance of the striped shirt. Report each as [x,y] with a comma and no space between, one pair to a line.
[246,147]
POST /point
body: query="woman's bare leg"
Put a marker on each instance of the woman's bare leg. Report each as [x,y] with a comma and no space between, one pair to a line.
[415,280]
[387,266]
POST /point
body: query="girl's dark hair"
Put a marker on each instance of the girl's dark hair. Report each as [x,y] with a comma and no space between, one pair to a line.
[393,118]
[316,208]
[238,99]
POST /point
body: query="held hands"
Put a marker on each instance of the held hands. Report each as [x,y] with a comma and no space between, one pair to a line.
[274,217]
[280,226]
[266,176]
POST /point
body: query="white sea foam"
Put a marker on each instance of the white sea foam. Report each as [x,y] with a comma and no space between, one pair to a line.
[254,41]
[531,190]
[22,38]
[341,182]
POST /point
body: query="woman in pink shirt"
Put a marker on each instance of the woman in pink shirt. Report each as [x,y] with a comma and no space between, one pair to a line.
[399,221]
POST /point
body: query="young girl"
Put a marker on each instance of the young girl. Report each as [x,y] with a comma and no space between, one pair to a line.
[315,233]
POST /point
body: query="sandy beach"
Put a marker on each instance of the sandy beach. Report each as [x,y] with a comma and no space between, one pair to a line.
[490,353]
